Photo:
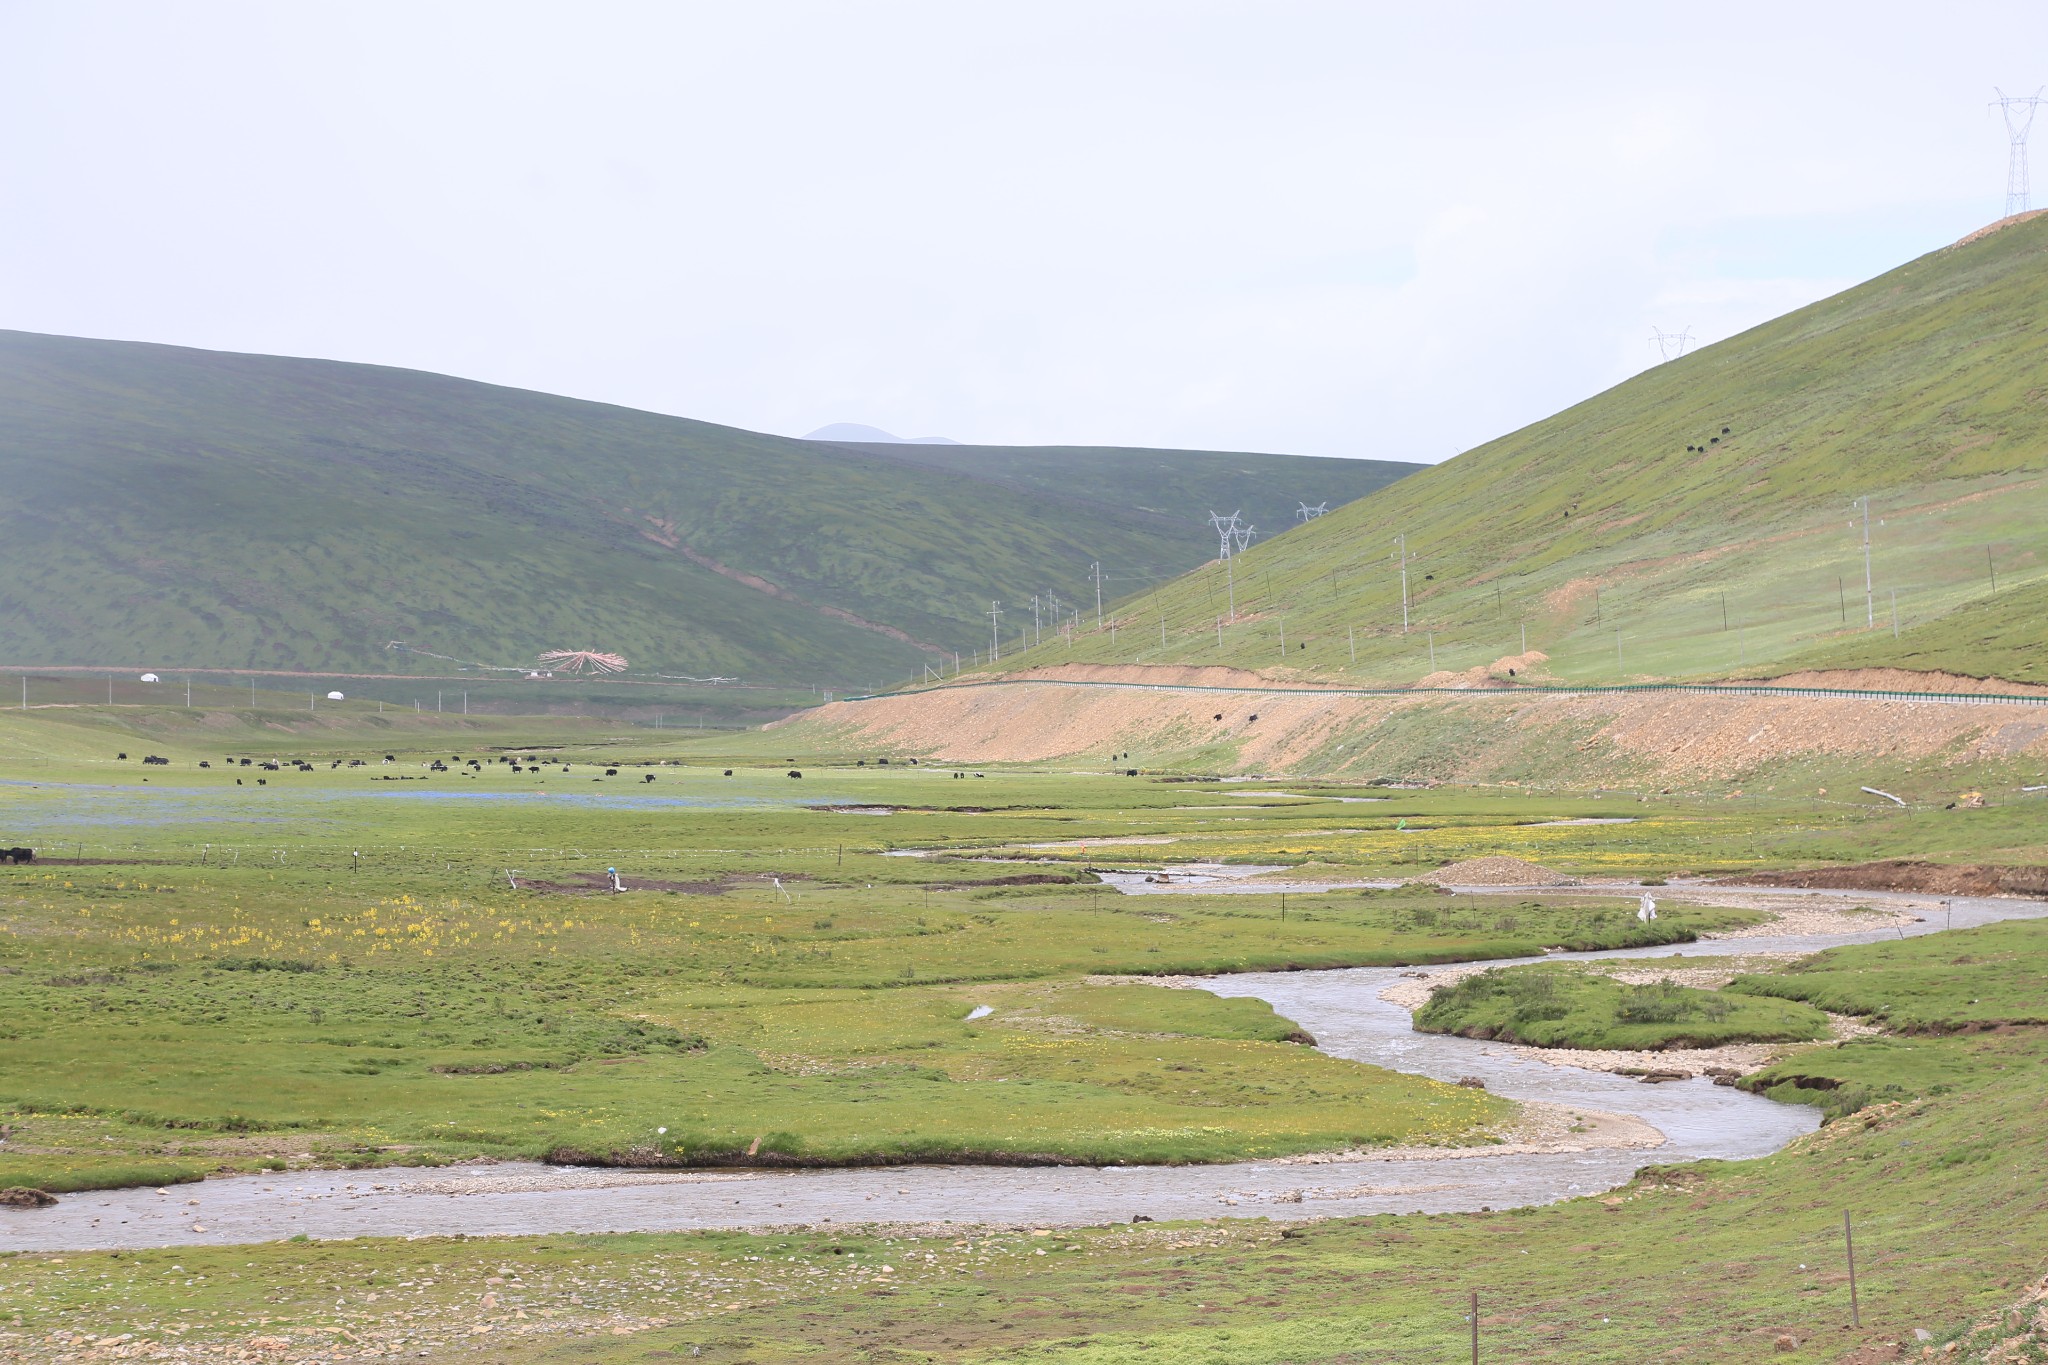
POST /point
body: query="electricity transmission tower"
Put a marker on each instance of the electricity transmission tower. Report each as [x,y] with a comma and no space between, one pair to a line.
[2019,120]
[1232,536]
[1671,345]
[995,642]
[1305,513]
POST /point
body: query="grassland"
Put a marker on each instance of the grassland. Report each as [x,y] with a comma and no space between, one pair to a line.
[172,508]
[1713,1261]
[336,969]
[1968,980]
[389,963]
[1547,1006]
[1693,522]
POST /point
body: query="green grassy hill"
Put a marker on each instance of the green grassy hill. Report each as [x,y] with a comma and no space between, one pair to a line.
[175,508]
[1697,520]
[1184,485]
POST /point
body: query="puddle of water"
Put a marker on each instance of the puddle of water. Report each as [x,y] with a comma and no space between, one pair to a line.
[1309,796]
[57,805]
[1218,879]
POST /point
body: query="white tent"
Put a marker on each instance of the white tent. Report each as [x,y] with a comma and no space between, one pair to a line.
[151,677]
[334,696]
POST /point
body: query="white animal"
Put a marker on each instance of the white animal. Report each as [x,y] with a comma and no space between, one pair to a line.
[1647,911]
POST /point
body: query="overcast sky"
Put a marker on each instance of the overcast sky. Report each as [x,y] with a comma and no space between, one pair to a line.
[1336,229]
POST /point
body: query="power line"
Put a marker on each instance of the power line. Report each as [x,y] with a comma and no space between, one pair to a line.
[2019,120]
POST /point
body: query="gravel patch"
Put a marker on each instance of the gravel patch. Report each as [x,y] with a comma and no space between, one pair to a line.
[1494,871]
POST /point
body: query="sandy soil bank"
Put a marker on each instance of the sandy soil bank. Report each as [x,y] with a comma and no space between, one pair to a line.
[1658,736]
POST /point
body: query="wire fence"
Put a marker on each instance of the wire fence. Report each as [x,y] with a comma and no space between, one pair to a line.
[1509,691]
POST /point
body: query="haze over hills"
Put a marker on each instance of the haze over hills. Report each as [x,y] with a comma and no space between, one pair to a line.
[856,431]
[169,507]
[1183,485]
[1697,521]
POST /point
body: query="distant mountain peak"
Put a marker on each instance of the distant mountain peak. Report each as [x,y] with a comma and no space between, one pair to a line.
[855,431]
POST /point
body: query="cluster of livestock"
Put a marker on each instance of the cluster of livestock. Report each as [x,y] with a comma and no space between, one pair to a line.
[17,855]
[454,763]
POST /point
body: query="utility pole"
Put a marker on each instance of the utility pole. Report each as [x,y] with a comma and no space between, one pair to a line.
[1034,618]
[1404,582]
[1351,635]
[188,689]
[995,611]
[1096,569]
[1869,593]
[1849,1244]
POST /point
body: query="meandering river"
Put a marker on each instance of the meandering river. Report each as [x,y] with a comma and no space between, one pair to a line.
[1341,1008]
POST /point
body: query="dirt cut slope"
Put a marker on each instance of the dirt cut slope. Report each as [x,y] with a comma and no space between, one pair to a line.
[1481,736]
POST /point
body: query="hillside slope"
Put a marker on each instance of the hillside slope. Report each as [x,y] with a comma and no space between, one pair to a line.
[184,508]
[1695,521]
[1184,485]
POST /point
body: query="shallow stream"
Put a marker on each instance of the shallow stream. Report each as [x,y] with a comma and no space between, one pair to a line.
[1341,1008]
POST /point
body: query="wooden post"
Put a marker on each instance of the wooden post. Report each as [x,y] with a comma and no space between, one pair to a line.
[1849,1241]
[1475,1327]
